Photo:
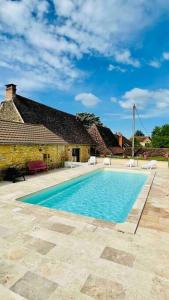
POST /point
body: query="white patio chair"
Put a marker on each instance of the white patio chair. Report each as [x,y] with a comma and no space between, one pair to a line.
[131,163]
[69,164]
[92,160]
[106,161]
[150,165]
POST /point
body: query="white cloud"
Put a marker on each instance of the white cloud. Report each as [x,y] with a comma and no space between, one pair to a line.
[155,64]
[124,57]
[166,55]
[87,99]
[46,38]
[116,68]
[151,102]
[135,96]
[111,67]
[107,24]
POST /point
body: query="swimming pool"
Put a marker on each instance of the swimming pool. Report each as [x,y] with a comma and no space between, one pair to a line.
[102,194]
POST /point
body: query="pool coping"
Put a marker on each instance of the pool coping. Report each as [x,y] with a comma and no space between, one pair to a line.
[131,223]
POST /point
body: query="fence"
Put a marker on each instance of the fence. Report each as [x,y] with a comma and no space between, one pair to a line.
[147,152]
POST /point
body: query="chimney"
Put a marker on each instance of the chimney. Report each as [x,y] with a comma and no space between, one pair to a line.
[120,139]
[10,91]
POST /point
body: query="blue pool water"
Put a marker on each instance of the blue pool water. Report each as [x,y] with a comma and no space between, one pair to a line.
[103,194]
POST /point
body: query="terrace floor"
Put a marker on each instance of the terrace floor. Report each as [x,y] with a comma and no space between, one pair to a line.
[49,255]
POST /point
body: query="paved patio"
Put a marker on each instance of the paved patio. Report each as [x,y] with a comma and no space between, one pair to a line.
[50,255]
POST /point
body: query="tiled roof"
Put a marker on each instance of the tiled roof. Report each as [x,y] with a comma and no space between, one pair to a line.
[142,138]
[116,150]
[21,133]
[104,138]
[108,136]
[63,124]
[126,142]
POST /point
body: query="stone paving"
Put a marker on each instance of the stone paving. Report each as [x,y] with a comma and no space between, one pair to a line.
[52,255]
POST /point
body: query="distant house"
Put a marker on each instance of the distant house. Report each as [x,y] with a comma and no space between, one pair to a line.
[21,143]
[66,126]
[123,142]
[143,140]
[106,142]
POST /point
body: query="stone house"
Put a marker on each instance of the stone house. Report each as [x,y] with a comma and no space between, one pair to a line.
[21,143]
[143,140]
[106,142]
[123,142]
[66,126]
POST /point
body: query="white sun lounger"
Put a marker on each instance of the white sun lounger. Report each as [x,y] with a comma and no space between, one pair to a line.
[150,165]
[92,160]
[69,164]
[131,163]
[106,161]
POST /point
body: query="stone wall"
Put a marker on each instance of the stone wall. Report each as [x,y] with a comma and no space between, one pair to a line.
[9,112]
[148,152]
[84,152]
[19,155]
[152,152]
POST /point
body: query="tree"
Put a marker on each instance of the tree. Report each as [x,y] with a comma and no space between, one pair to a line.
[139,133]
[137,143]
[148,145]
[88,119]
[160,136]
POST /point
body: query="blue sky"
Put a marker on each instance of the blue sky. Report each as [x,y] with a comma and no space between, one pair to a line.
[94,56]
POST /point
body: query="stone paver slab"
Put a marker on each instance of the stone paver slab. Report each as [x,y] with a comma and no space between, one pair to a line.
[68,294]
[33,286]
[4,231]
[62,228]
[160,289]
[78,250]
[6,294]
[41,246]
[10,273]
[103,224]
[102,289]
[118,256]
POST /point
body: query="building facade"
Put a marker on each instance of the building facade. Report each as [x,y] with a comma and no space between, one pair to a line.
[21,143]
[20,109]
[143,140]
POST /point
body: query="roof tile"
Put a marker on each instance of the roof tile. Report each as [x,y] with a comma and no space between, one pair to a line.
[63,124]
[22,133]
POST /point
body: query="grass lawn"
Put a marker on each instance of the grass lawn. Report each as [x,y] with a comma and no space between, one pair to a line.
[158,158]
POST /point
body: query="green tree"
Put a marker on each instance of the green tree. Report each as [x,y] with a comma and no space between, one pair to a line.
[88,119]
[137,143]
[160,136]
[139,133]
[148,145]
